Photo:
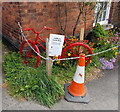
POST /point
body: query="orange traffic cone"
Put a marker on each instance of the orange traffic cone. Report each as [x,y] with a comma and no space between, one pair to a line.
[76,88]
[76,91]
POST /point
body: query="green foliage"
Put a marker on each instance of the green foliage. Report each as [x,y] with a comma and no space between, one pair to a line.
[98,32]
[101,41]
[29,82]
[95,62]
[64,73]
[104,46]
[86,3]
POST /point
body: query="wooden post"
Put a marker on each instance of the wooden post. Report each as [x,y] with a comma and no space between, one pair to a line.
[81,38]
[48,62]
[82,34]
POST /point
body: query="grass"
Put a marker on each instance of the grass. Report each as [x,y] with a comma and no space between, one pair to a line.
[33,83]
[64,74]
[30,83]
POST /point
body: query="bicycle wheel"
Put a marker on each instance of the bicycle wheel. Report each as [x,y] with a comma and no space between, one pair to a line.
[74,50]
[27,54]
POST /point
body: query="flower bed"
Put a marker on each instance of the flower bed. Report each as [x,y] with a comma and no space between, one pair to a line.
[33,83]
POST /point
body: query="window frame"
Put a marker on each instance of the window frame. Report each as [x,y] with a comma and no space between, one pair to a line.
[105,22]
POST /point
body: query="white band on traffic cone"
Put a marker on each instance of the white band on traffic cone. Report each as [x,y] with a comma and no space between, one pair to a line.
[79,74]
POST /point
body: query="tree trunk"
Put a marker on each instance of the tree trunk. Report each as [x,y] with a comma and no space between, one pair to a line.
[76,23]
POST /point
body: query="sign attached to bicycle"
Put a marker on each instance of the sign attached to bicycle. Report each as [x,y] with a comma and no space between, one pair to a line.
[55,44]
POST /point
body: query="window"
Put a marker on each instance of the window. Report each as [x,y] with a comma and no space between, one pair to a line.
[103,8]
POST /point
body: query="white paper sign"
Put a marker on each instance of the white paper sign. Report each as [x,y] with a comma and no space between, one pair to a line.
[55,44]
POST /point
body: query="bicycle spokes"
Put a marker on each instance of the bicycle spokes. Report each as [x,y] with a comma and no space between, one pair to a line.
[75,49]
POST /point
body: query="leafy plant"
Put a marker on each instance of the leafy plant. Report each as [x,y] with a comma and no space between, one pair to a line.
[98,31]
[29,82]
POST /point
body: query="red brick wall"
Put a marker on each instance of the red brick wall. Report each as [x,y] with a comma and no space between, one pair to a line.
[115,13]
[9,16]
[38,14]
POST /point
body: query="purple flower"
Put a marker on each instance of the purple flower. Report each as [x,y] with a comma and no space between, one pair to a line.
[103,67]
[107,64]
[110,66]
[102,59]
[113,60]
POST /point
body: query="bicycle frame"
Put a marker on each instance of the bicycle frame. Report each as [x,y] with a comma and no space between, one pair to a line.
[37,36]
[69,44]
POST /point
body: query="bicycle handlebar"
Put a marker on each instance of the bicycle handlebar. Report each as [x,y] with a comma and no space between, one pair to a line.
[47,28]
[30,29]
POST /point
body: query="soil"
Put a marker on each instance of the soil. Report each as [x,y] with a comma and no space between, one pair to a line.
[94,74]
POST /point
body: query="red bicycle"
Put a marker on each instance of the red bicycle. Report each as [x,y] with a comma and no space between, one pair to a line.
[25,50]
[72,48]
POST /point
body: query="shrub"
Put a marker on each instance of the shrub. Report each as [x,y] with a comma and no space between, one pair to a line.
[97,32]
